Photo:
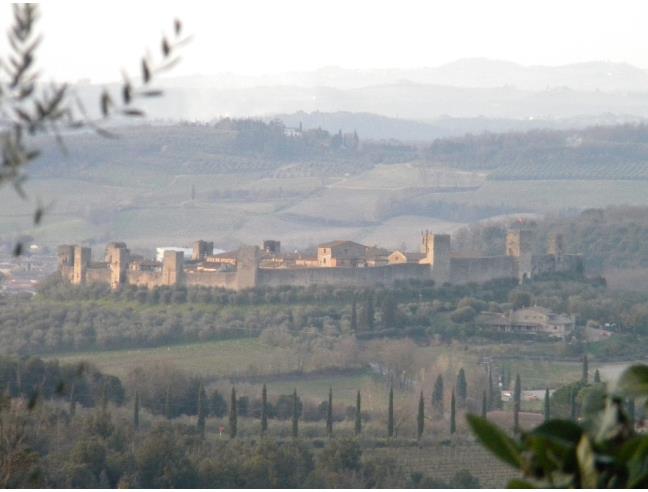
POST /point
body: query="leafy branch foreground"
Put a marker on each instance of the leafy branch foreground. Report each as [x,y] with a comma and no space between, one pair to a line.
[30,107]
[602,452]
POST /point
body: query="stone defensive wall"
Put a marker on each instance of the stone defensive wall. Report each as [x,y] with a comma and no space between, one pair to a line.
[343,277]
[244,268]
[482,269]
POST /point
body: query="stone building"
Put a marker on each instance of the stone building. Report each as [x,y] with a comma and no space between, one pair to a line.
[399,256]
[345,263]
[342,254]
[529,321]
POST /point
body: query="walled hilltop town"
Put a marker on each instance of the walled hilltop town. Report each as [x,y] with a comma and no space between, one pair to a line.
[344,263]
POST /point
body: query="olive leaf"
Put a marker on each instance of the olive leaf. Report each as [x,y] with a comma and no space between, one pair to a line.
[496,441]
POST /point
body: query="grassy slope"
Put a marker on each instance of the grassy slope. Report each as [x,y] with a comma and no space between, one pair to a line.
[231,358]
[138,189]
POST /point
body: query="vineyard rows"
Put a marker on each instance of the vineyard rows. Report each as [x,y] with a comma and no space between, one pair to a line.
[442,462]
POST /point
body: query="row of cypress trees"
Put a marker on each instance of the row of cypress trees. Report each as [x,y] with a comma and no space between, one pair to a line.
[233,413]
[458,398]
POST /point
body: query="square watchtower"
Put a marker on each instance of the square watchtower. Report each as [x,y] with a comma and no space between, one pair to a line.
[519,242]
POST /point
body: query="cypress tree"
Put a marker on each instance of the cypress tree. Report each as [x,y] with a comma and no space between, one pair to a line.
[136,410]
[370,313]
[597,376]
[358,415]
[18,377]
[72,400]
[233,417]
[388,312]
[484,407]
[547,405]
[329,414]
[202,410]
[491,390]
[585,369]
[462,389]
[264,410]
[390,413]
[167,403]
[498,404]
[104,398]
[453,411]
[354,315]
[437,397]
[420,417]
[517,398]
[295,416]
[572,404]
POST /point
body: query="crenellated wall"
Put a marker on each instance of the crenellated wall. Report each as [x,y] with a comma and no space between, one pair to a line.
[360,277]
[438,264]
[482,269]
[148,279]
[223,280]
[97,275]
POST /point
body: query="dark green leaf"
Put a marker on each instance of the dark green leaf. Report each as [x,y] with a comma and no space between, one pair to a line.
[496,441]
[146,72]
[166,49]
[126,93]
[23,116]
[133,112]
[587,464]
[561,431]
[151,93]
[105,103]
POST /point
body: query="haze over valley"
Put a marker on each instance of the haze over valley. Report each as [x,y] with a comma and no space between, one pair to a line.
[341,245]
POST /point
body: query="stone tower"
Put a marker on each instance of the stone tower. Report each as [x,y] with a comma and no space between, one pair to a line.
[519,244]
[247,267]
[118,265]
[111,248]
[437,254]
[172,267]
[556,245]
[65,255]
[81,262]
[202,249]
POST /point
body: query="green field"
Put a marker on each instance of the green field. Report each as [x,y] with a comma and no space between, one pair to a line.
[213,358]
[249,357]
[149,206]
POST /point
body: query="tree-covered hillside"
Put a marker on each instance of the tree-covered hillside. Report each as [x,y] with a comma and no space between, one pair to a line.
[232,146]
[614,237]
[242,181]
[606,152]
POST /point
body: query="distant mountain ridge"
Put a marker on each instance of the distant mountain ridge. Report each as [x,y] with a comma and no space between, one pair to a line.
[465,89]
[468,73]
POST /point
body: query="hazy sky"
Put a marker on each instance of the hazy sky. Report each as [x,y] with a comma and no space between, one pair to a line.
[97,39]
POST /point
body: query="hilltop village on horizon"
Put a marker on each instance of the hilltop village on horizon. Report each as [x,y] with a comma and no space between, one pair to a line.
[343,263]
